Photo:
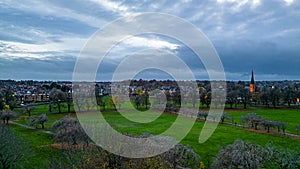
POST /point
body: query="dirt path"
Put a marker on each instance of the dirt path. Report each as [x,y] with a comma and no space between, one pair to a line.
[264,131]
[33,128]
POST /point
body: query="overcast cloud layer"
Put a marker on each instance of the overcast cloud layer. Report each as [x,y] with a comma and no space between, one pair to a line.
[42,39]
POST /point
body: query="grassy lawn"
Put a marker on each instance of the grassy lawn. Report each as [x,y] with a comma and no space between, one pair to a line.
[52,118]
[290,116]
[38,142]
[44,108]
[41,109]
[224,134]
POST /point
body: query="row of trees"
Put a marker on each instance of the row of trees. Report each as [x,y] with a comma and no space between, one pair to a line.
[269,97]
[204,115]
[57,97]
[254,121]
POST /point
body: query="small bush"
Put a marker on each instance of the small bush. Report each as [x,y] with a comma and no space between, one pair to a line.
[35,121]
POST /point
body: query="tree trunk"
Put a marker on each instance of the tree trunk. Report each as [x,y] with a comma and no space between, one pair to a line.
[58,106]
[69,107]
[50,107]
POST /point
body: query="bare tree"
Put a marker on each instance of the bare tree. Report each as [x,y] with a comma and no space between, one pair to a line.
[232,98]
[225,116]
[6,115]
[35,121]
[205,98]
[57,96]
[28,109]
[203,114]
[253,119]
[69,130]
[289,96]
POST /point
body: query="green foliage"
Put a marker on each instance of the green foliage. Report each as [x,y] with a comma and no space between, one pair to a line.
[39,144]
[13,149]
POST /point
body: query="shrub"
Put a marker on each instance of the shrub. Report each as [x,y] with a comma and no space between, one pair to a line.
[248,155]
[267,124]
[253,119]
[281,158]
[6,115]
[69,130]
[35,121]
[182,156]
[225,116]
[13,151]
[240,155]
[203,114]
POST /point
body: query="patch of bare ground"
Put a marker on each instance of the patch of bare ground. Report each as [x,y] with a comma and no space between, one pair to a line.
[25,117]
[272,132]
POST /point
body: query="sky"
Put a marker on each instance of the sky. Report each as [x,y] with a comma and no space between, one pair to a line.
[42,40]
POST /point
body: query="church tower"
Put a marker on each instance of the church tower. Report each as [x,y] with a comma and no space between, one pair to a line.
[252,84]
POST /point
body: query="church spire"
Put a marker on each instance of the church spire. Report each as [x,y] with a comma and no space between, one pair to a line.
[252,77]
[252,84]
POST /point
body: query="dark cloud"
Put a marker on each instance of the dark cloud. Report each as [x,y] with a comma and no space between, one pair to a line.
[37,69]
[263,37]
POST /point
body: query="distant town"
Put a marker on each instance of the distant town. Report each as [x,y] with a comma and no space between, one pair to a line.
[268,93]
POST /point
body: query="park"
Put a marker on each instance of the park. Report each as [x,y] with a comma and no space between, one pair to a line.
[56,140]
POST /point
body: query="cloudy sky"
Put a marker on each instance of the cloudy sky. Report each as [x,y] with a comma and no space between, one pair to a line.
[42,39]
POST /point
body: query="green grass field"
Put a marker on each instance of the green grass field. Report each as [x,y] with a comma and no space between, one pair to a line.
[290,116]
[38,142]
[225,134]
